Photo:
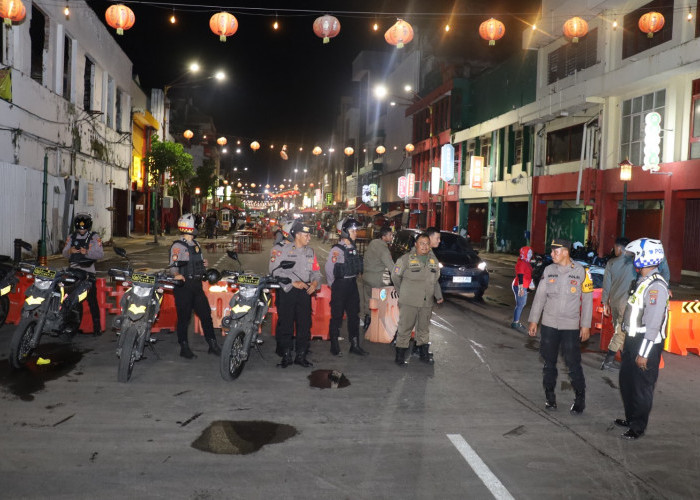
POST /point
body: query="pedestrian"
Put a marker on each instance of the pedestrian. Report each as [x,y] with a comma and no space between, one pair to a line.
[294,299]
[83,247]
[434,236]
[521,284]
[377,265]
[342,267]
[644,323]
[618,280]
[415,277]
[189,265]
[564,301]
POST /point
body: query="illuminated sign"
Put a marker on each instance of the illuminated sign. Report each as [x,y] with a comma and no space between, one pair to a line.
[411,184]
[476,172]
[447,162]
[652,140]
[402,188]
[435,180]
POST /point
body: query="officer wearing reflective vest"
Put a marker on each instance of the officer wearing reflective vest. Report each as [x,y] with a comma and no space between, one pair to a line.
[342,267]
[644,323]
[293,300]
[190,266]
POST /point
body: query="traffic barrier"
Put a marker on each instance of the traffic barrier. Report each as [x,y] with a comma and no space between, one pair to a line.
[117,292]
[320,313]
[384,307]
[102,291]
[167,316]
[683,328]
[219,297]
[17,297]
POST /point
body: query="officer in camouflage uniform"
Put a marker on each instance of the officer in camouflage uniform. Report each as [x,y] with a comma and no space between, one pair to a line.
[342,267]
[415,277]
[564,301]
[644,323]
[190,296]
[294,299]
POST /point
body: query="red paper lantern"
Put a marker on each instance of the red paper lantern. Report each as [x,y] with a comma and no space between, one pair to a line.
[221,141]
[255,145]
[492,30]
[410,147]
[326,27]
[399,34]
[317,151]
[223,24]
[349,151]
[188,134]
[12,11]
[284,155]
[380,150]
[651,22]
[120,17]
[575,28]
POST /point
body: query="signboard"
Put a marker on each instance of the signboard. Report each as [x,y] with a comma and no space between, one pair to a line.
[447,162]
[476,172]
[652,140]
[402,188]
[411,184]
[435,180]
[329,198]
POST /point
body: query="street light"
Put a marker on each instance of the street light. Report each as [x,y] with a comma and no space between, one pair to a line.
[625,177]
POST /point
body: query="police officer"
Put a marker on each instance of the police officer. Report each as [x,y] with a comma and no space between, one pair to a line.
[83,246]
[415,277]
[190,296]
[644,323]
[377,264]
[619,275]
[342,267]
[294,299]
[564,300]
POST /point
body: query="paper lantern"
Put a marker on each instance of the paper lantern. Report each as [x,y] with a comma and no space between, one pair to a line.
[651,22]
[380,150]
[326,27]
[348,151]
[492,30]
[223,24]
[281,186]
[409,148]
[399,34]
[188,134]
[252,184]
[221,141]
[12,11]
[575,28]
[255,145]
[120,17]
[283,155]
[317,151]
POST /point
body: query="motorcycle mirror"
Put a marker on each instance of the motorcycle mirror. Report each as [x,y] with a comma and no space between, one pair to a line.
[287,264]
[232,254]
[120,252]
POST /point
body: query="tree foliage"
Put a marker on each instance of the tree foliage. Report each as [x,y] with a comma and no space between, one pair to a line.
[169,157]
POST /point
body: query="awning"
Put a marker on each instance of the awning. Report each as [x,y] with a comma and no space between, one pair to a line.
[393,213]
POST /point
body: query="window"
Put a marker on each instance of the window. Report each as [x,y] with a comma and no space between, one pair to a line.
[485,150]
[110,102]
[37,37]
[573,57]
[632,129]
[118,105]
[518,146]
[635,40]
[695,122]
[564,145]
[67,66]
[88,84]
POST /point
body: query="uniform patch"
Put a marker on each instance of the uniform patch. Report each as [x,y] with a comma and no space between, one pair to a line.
[552,280]
[587,285]
[315,266]
[397,269]
[574,282]
[272,259]
[652,300]
[334,259]
[432,261]
[573,289]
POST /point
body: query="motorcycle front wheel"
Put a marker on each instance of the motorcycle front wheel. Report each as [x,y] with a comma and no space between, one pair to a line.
[232,355]
[128,354]
[20,348]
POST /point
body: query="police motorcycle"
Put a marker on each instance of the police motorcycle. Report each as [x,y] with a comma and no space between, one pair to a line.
[53,306]
[8,277]
[140,306]
[248,308]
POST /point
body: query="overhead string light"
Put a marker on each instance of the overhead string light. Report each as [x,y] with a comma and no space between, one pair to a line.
[66,12]
[173,19]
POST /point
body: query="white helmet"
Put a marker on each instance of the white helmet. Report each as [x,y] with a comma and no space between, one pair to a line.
[287,230]
[647,252]
[186,224]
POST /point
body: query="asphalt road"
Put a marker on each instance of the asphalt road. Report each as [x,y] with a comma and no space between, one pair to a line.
[471,426]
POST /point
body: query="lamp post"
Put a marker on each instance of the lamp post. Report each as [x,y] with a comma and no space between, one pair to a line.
[625,177]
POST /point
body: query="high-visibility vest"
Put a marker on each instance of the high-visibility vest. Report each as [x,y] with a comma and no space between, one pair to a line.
[632,323]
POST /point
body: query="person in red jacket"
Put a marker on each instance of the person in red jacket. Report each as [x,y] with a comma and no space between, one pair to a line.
[521,283]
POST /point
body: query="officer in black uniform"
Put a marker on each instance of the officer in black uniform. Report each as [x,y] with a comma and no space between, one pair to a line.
[190,296]
[342,267]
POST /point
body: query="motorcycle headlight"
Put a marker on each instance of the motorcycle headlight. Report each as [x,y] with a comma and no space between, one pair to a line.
[482,266]
[247,291]
[42,284]
[141,291]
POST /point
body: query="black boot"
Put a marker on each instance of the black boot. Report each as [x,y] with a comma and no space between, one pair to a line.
[579,403]
[400,358]
[185,351]
[301,360]
[425,355]
[355,347]
[367,321]
[335,346]
[550,400]
[213,346]
[609,361]
[286,359]
[414,348]
[393,340]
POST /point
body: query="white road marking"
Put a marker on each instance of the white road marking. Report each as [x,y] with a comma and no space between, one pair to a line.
[323,250]
[480,468]
[478,354]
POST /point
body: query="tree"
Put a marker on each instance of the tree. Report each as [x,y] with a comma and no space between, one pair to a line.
[166,157]
[204,178]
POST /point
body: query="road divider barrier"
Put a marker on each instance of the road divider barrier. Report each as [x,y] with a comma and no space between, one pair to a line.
[102,290]
[384,313]
[320,313]
[219,296]
[683,327]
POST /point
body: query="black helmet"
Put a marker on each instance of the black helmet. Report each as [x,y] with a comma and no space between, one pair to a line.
[348,224]
[212,276]
[83,221]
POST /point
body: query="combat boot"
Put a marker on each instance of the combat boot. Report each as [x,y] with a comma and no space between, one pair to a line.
[335,346]
[355,347]
[367,321]
[287,359]
[301,360]
[185,351]
[550,400]
[579,403]
[400,356]
[609,361]
[425,355]
[213,346]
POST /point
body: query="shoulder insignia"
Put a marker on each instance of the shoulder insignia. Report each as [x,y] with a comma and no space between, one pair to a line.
[573,289]
[652,300]
[334,259]
[552,280]
[432,261]
[587,285]
[397,269]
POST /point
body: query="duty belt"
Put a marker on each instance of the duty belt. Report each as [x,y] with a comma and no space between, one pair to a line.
[194,277]
[349,277]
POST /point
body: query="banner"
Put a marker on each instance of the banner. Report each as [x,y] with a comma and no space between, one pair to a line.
[476,172]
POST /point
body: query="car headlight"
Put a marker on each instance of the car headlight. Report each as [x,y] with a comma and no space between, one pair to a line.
[42,284]
[440,265]
[482,266]
[141,291]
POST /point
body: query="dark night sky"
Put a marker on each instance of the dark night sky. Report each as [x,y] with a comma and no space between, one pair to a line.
[285,85]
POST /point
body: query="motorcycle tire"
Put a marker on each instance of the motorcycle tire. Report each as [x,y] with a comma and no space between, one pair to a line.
[19,346]
[4,309]
[232,363]
[128,354]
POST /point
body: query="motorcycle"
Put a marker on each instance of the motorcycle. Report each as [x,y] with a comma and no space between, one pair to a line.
[539,262]
[53,306]
[140,306]
[248,308]
[8,278]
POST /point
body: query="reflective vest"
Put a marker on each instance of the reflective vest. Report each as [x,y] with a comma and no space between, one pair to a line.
[353,262]
[195,264]
[632,323]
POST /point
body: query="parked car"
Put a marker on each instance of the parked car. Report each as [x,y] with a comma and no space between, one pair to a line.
[461,269]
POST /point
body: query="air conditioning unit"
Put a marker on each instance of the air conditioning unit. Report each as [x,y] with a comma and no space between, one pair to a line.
[167,202]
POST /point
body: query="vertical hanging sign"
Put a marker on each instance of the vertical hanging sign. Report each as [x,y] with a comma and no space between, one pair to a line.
[402,188]
[476,172]
[411,184]
[447,162]
[435,180]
